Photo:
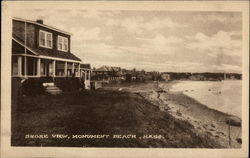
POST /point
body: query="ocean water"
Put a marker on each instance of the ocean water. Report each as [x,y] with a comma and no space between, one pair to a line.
[224,96]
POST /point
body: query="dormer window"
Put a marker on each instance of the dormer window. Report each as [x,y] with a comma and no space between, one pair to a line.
[45,39]
[62,43]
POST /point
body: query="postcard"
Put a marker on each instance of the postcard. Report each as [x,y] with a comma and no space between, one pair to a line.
[125,79]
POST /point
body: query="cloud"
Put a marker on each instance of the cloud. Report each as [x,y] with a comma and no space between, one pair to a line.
[85,13]
[83,34]
[168,66]
[160,44]
[157,23]
[226,68]
[103,50]
[162,40]
[138,24]
[221,17]
[221,42]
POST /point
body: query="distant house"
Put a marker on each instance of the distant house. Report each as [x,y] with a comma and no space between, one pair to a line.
[165,77]
[197,77]
[108,73]
[41,51]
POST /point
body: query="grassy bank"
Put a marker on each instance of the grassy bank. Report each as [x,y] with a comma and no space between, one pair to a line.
[100,112]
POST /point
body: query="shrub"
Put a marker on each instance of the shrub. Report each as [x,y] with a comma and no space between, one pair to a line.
[68,84]
[32,86]
[113,82]
[16,91]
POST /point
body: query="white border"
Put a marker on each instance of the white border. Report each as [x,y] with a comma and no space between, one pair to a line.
[7,7]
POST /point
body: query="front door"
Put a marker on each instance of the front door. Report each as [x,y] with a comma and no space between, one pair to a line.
[48,68]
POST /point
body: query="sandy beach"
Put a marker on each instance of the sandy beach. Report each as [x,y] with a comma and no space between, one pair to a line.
[207,121]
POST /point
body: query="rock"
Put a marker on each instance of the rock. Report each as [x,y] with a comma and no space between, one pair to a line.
[233,121]
[212,125]
[239,140]
[178,112]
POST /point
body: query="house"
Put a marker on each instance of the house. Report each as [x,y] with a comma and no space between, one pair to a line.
[165,77]
[107,73]
[101,73]
[43,52]
[197,77]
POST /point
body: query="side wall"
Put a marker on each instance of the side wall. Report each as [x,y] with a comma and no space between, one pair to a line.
[32,36]
[19,32]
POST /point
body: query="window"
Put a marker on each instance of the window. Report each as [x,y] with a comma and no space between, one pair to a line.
[50,69]
[65,44]
[87,75]
[14,65]
[62,43]
[60,68]
[45,39]
[49,40]
[42,69]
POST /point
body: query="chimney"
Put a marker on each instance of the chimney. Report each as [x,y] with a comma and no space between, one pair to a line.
[40,21]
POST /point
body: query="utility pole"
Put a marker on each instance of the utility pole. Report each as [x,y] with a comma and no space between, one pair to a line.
[229,138]
[25,45]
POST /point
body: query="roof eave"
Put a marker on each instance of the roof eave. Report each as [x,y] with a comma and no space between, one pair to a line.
[49,27]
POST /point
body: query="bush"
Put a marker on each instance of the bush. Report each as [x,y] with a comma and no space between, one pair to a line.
[113,82]
[16,91]
[68,84]
[32,86]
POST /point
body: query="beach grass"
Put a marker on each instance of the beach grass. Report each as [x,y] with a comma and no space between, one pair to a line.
[107,112]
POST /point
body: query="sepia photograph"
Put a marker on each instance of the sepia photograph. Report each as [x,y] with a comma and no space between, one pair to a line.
[115,77]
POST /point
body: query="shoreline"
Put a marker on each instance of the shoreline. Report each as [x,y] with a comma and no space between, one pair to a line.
[204,118]
[206,121]
[216,95]
[202,104]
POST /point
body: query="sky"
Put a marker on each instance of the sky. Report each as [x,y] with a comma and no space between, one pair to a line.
[165,41]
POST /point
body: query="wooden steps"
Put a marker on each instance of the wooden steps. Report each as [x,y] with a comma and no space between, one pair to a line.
[52,89]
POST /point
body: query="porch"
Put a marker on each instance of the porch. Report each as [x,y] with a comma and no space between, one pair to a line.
[85,75]
[32,66]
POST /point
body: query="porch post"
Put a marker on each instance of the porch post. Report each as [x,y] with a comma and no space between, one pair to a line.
[38,67]
[89,74]
[73,67]
[79,70]
[65,69]
[19,65]
[54,68]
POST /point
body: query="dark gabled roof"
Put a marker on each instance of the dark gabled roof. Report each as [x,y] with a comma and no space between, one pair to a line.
[18,44]
[36,23]
[116,68]
[58,54]
[108,68]
[103,68]
[85,66]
